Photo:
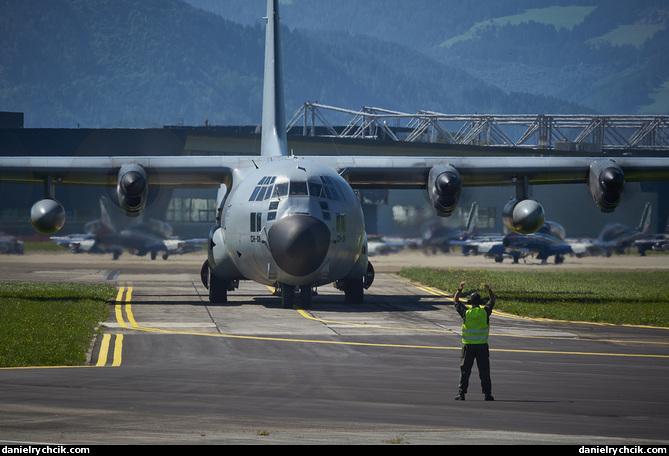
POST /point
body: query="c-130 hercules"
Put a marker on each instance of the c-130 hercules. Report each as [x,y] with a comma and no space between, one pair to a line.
[295,223]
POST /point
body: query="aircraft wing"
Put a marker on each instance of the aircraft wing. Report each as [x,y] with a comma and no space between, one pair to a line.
[443,177]
[365,171]
[412,172]
[166,172]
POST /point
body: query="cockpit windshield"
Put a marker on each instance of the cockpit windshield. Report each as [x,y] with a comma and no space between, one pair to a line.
[267,188]
[298,188]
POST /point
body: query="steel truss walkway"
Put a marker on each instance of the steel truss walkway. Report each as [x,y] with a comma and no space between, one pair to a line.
[585,133]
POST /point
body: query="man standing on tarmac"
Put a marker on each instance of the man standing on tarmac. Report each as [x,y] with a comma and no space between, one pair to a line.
[475,330]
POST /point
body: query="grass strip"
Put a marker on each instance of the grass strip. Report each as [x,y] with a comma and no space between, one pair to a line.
[617,297]
[49,324]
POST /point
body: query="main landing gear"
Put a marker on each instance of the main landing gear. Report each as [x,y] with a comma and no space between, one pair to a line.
[288,296]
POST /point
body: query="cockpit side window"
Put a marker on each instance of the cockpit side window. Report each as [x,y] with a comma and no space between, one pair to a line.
[263,190]
[330,188]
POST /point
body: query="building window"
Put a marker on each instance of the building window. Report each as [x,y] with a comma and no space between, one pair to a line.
[191,210]
[487,216]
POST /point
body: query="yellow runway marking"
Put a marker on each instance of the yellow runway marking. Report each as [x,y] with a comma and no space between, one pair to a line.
[104,350]
[303,313]
[121,306]
[118,350]
[128,308]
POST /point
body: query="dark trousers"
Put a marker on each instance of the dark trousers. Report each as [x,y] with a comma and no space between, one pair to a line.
[481,354]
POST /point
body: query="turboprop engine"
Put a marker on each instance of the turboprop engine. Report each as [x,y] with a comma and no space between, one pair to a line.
[606,182]
[132,188]
[443,188]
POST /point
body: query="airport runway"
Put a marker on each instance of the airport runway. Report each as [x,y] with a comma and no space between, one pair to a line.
[171,368]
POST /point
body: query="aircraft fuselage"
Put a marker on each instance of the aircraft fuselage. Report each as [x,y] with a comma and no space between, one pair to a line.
[290,222]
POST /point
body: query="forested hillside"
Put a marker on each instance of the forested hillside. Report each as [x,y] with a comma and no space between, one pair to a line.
[125,63]
[610,55]
[138,63]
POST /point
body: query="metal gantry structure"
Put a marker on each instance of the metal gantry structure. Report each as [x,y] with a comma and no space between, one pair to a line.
[584,133]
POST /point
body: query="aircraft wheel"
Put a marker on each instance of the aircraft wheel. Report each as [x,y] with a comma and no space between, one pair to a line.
[305,294]
[353,292]
[218,289]
[287,296]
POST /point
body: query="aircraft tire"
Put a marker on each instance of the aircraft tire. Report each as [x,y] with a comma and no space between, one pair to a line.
[287,296]
[305,294]
[218,289]
[353,292]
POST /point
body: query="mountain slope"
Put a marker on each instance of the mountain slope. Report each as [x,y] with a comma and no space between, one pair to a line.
[611,55]
[137,63]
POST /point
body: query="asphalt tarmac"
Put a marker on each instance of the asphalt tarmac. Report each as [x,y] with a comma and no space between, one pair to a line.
[170,368]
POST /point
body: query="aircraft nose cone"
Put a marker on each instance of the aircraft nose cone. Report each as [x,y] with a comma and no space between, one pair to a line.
[299,243]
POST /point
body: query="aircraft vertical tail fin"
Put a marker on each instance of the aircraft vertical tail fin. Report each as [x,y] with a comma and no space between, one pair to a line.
[472,220]
[644,223]
[273,140]
[105,217]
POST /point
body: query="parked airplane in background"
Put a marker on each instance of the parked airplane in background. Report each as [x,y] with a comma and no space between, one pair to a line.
[152,237]
[10,244]
[473,243]
[295,222]
[490,246]
[434,237]
[548,241]
[653,243]
[617,237]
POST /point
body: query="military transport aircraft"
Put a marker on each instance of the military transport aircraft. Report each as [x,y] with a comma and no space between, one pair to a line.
[294,222]
[150,237]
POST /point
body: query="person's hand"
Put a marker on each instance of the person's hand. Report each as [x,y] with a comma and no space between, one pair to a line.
[462,284]
[486,286]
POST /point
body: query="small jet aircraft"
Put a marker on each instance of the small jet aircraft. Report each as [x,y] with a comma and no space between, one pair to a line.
[10,244]
[548,241]
[152,237]
[617,237]
[654,243]
[434,238]
[295,223]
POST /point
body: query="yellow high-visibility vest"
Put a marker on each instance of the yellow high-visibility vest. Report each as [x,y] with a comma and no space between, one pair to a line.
[475,328]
